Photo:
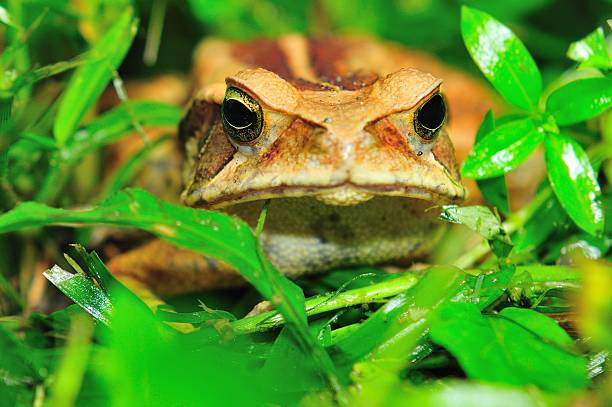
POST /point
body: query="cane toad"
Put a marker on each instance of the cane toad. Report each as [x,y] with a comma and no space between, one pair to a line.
[346,138]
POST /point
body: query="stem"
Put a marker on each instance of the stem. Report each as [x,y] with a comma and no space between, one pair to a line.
[329,302]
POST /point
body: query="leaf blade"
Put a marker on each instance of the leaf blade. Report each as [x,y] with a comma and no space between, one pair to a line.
[591,51]
[88,81]
[502,150]
[502,58]
[574,182]
[580,100]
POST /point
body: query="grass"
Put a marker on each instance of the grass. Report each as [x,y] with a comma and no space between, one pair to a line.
[520,316]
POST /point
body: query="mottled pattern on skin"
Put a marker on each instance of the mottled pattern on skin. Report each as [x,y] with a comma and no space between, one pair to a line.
[214,153]
[168,270]
[303,235]
[348,176]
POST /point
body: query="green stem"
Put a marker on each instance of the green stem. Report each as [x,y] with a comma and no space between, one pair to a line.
[329,302]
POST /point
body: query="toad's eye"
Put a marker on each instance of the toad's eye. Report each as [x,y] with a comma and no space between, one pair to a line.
[242,116]
[430,117]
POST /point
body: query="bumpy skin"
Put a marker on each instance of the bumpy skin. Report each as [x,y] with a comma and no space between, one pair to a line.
[349,179]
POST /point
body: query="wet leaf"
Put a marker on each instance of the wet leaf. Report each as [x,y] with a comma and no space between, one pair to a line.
[212,233]
[502,58]
[481,220]
[502,150]
[83,291]
[88,81]
[494,190]
[498,349]
[580,100]
[591,51]
[574,182]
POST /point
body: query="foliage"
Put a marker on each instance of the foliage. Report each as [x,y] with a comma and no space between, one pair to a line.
[520,318]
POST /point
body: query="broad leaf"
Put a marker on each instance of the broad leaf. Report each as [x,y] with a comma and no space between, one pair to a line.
[494,190]
[88,81]
[498,349]
[502,150]
[543,326]
[574,181]
[591,51]
[580,100]
[502,58]
[481,220]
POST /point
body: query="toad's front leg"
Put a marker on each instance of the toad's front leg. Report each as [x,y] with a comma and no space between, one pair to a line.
[160,269]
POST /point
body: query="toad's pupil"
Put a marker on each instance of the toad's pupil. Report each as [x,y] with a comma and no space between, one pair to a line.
[431,115]
[237,114]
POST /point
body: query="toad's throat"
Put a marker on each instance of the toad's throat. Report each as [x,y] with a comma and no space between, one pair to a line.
[305,235]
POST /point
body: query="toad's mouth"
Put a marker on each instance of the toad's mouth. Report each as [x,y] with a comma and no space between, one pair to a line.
[346,194]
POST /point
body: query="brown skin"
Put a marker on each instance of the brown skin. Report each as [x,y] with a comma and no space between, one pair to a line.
[349,176]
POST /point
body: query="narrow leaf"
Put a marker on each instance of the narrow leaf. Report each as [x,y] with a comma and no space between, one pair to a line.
[212,233]
[591,51]
[502,150]
[580,100]
[574,181]
[89,81]
[82,291]
[502,58]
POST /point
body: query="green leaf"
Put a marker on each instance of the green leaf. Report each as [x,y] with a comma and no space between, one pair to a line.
[545,327]
[82,291]
[502,150]
[481,220]
[591,51]
[102,131]
[212,233]
[494,190]
[5,19]
[498,349]
[114,124]
[502,58]
[20,370]
[88,81]
[455,393]
[580,100]
[380,332]
[574,182]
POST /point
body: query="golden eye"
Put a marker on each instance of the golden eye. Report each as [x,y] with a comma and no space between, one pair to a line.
[242,116]
[430,117]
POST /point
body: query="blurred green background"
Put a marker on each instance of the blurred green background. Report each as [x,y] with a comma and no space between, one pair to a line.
[546,26]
